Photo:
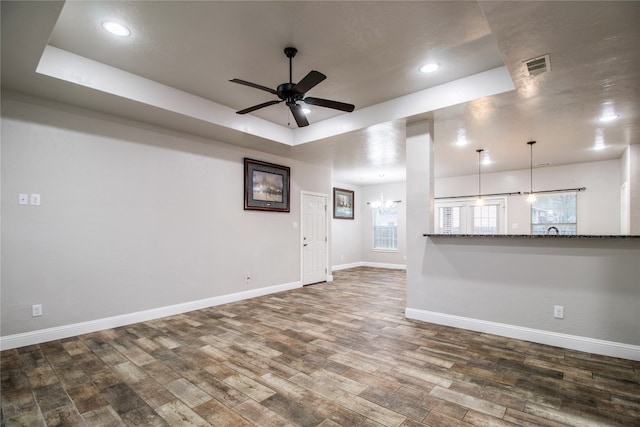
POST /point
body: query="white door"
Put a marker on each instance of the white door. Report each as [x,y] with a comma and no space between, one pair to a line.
[625,214]
[314,238]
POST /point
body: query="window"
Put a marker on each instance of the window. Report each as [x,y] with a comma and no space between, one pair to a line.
[554,214]
[449,220]
[385,228]
[485,219]
[464,217]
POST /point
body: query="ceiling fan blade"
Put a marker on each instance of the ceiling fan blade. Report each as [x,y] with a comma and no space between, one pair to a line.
[330,104]
[255,85]
[259,106]
[301,118]
[309,81]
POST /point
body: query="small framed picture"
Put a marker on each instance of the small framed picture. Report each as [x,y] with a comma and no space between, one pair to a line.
[266,186]
[342,203]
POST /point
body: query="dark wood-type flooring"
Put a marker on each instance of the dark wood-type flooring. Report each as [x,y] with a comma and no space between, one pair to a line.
[331,354]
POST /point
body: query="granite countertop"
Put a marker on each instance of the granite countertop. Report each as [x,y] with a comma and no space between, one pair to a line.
[536,236]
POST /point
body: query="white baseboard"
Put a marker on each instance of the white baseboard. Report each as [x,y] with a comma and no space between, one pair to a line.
[66,331]
[385,265]
[573,342]
[346,266]
[369,264]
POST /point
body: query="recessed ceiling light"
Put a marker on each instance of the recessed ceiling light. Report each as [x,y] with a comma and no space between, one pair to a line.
[306,110]
[116,29]
[608,118]
[429,68]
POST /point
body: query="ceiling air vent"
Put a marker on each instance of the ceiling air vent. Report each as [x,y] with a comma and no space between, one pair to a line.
[538,65]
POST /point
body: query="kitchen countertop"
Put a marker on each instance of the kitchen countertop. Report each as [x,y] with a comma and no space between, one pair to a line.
[535,236]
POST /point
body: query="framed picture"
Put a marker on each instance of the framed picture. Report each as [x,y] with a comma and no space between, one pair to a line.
[342,203]
[266,186]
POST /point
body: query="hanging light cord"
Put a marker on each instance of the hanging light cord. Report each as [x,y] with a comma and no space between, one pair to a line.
[531,167]
[479,151]
[531,170]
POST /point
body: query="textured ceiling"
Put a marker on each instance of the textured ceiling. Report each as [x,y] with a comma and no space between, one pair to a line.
[370,52]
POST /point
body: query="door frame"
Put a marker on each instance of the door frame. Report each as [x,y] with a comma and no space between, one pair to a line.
[329,277]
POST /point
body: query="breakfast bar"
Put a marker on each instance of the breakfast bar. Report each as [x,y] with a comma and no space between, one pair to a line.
[512,285]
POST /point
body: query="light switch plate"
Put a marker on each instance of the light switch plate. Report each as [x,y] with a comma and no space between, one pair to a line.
[23,199]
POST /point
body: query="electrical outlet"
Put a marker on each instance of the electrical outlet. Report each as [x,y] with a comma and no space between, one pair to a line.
[36,310]
[35,200]
[247,278]
[558,312]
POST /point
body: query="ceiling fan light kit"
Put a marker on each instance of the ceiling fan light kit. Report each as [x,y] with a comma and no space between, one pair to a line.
[290,93]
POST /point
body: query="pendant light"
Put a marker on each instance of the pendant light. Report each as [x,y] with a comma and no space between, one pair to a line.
[531,197]
[479,201]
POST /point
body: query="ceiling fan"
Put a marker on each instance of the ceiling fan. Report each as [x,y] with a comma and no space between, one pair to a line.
[291,92]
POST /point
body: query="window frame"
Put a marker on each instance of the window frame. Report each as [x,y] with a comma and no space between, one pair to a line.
[558,224]
[374,212]
[467,215]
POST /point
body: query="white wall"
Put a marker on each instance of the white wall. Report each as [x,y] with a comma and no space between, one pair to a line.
[602,180]
[132,217]
[371,193]
[346,234]
[625,192]
[509,285]
[598,206]
[352,240]
[634,188]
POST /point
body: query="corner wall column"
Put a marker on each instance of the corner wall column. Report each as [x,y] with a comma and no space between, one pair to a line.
[634,188]
[419,199]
